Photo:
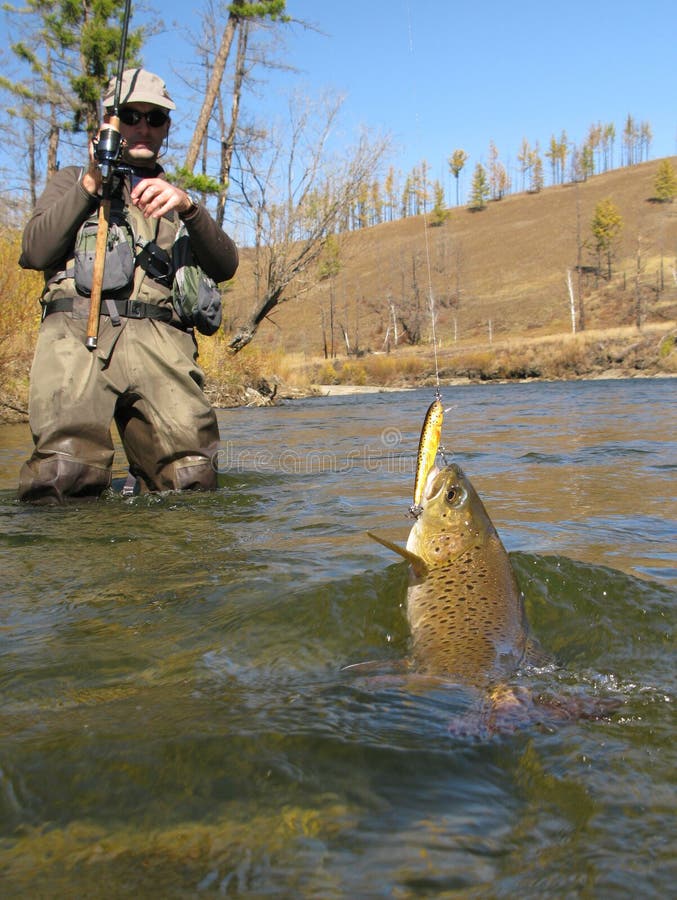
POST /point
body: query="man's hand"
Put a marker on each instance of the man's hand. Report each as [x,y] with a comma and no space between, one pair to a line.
[91,177]
[155,197]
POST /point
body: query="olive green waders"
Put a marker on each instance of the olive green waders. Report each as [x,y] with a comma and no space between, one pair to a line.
[144,376]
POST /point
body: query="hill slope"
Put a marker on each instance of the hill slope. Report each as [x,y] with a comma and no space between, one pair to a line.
[498,273]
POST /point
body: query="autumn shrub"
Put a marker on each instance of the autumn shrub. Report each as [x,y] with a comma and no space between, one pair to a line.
[517,363]
[477,364]
[666,357]
[353,372]
[327,374]
[396,368]
[667,346]
[384,369]
[19,322]
[564,359]
[411,365]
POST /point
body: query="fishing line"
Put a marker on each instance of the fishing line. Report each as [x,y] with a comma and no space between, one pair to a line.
[426,243]
[431,433]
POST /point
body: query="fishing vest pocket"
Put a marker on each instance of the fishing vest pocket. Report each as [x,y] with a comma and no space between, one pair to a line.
[196,298]
[118,270]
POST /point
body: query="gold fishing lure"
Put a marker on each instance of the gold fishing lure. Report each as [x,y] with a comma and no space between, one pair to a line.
[428,445]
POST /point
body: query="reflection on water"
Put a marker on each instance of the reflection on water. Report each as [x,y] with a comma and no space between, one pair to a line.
[175,721]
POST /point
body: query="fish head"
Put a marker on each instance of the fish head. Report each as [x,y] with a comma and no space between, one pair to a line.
[452,517]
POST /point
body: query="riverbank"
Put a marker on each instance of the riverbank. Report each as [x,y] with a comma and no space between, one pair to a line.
[256,379]
[342,390]
[597,354]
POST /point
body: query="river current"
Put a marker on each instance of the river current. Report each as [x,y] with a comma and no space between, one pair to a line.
[176,720]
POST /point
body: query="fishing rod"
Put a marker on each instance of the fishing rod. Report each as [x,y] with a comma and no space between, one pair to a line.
[431,433]
[107,149]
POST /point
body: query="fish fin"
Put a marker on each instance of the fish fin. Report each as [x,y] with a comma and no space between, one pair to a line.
[535,655]
[378,667]
[419,565]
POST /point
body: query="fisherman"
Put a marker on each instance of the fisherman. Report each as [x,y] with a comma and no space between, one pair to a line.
[143,372]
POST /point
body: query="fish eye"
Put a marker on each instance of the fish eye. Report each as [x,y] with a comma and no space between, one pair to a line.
[455,495]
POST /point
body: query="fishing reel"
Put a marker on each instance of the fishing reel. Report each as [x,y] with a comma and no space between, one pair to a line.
[108,150]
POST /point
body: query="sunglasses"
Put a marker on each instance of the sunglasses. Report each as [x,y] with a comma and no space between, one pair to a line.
[154,117]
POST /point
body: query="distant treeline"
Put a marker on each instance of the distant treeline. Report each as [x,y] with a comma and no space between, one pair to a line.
[398,196]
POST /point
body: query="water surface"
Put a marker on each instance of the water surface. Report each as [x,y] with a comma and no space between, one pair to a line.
[175,721]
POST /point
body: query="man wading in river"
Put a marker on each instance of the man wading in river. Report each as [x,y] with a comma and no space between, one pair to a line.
[143,372]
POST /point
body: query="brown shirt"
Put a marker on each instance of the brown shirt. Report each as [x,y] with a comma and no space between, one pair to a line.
[49,237]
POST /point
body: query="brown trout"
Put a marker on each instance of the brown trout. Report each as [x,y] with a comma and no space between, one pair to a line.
[464,606]
[466,614]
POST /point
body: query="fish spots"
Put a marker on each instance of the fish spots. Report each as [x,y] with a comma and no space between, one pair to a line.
[467,609]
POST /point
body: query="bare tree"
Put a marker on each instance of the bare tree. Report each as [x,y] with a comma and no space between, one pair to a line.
[238,12]
[228,136]
[60,65]
[294,197]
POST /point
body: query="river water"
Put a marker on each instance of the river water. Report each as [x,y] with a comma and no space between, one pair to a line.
[175,721]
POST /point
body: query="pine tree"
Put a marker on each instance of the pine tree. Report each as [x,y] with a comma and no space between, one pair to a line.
[456,162]
[390,191]
[608,138]
[68,52]
[553,155]
[665,183]
[524,158]
[479,192]
[594,144]
[537,180]
[606,227]
[631,141]
[439,213]
[499,181]
[645,138]
[562,153]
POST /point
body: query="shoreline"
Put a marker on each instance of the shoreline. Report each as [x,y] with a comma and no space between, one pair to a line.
[338,390]
[11,414]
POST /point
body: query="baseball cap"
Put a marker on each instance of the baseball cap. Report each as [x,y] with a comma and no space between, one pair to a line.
[139,86]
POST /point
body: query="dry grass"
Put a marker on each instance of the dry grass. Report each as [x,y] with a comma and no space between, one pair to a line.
[601,351]
[509,264]
[19,322]
[231,378]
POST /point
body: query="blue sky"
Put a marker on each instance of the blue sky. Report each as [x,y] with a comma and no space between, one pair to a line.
[439,75]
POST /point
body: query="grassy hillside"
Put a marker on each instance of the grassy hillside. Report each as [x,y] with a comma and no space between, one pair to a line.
[496,274]
[499,281]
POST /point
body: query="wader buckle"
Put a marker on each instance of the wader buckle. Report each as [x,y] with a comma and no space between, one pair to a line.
[136,309]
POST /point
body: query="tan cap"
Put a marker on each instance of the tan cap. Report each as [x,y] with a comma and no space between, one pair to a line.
[139,86]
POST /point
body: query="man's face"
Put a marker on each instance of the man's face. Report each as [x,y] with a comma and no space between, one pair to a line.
[143,141]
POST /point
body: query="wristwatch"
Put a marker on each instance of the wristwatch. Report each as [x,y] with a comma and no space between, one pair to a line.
[195,201]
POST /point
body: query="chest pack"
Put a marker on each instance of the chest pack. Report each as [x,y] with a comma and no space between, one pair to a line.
[118,271]
[195,296]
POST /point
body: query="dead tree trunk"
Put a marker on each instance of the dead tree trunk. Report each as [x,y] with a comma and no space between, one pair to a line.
[211,92]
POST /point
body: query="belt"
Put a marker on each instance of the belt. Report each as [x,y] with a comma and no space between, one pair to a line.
[130,309]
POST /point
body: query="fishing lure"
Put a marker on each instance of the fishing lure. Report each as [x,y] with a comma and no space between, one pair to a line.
[428,445]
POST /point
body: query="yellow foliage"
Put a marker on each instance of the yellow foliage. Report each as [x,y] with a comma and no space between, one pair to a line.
[327,374]
[19,319]
[353,373]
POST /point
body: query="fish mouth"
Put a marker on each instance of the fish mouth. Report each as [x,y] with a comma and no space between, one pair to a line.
[449,480]
[427,493]
[431,489]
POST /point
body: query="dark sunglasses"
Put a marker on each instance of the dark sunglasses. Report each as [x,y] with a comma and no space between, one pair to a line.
[155,117]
